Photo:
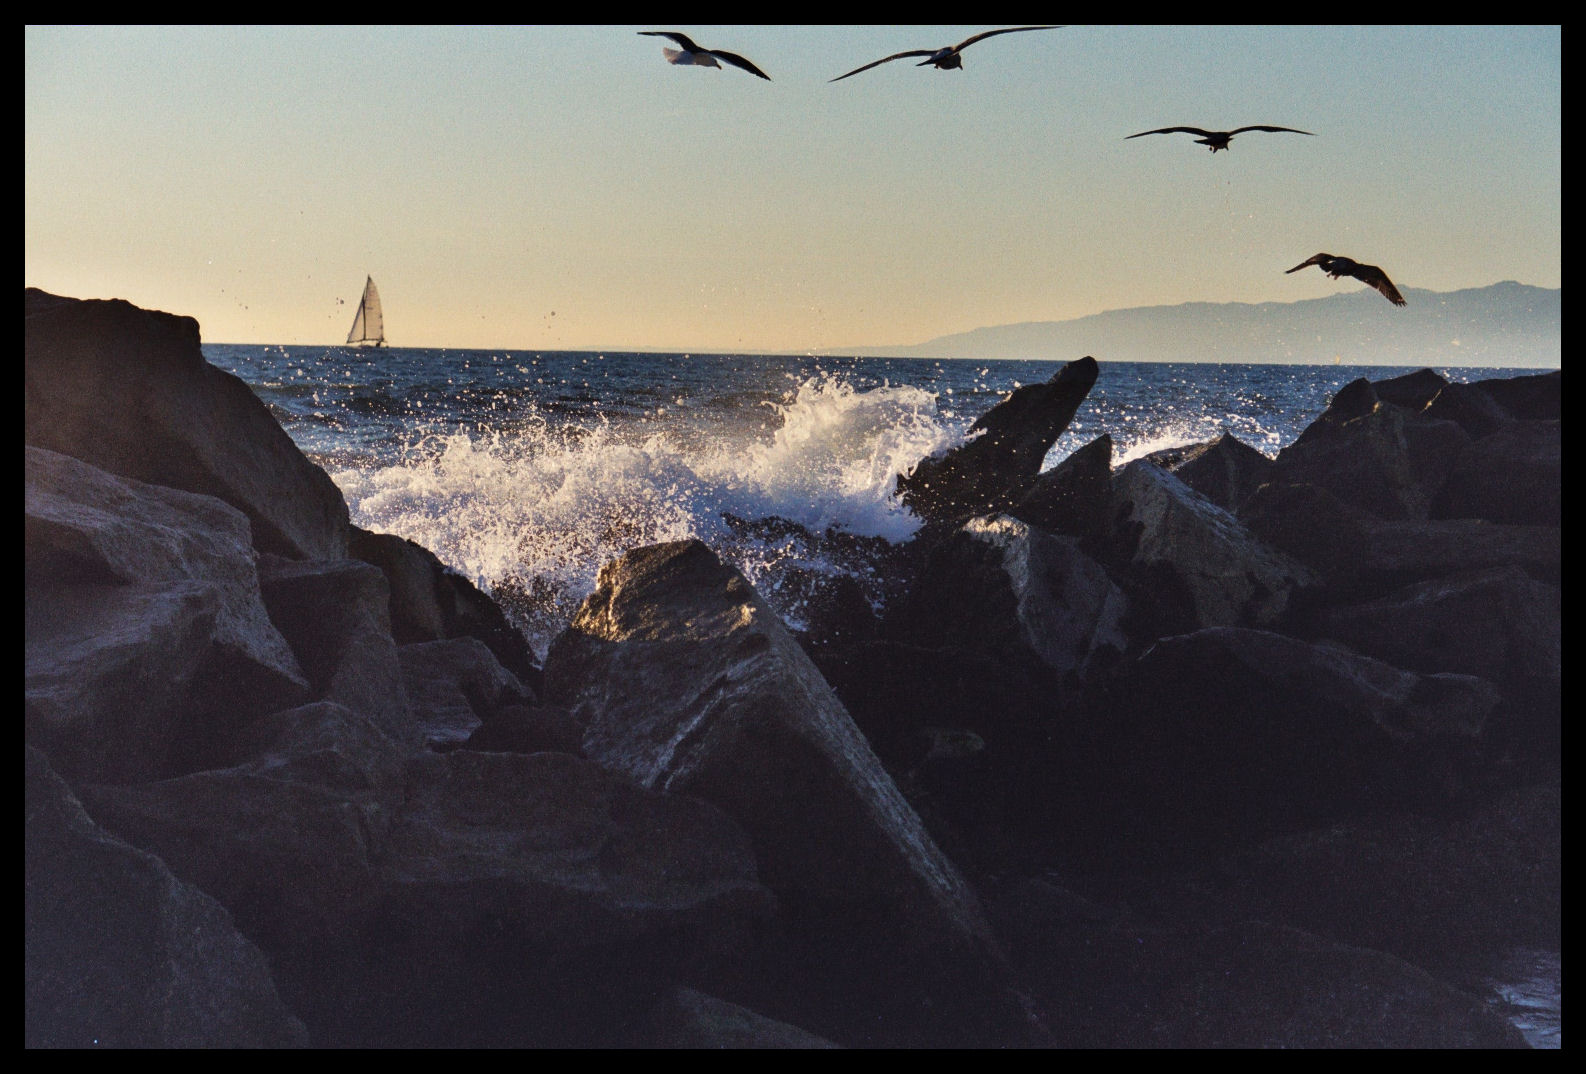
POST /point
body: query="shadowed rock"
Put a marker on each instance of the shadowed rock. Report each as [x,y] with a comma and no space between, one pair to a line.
[1229,576]
[1226,471]
[118,953]
[129,391]
[992,470]
[146,635]
[1074,497]
[686,681]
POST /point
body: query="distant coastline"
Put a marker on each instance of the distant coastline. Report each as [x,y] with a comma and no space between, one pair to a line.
[1503,325]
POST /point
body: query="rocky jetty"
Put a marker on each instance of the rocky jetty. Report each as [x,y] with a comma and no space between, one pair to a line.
[1208,750]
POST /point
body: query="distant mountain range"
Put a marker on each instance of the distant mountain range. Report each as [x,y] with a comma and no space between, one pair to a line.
[1506,325]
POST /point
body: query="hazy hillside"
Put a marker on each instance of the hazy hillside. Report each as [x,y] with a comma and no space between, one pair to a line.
[1505,324]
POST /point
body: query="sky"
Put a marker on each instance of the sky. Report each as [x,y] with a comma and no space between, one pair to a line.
[564,188]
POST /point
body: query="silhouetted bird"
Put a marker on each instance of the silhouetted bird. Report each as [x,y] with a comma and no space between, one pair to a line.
[943,59]
[1216,139]
[690,53]
[1370,275]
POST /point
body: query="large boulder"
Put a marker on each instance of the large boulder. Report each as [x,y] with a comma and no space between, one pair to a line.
[108,674]
[431,602]
[119,953]
[1514,474]
[1003,586]
[455,685]
[128,390]
[1360,556]
[1455,892]
[1227,734]
[1073,498]
[336,616]
[686,681]
[1003,450]
[1228,576]
[1387,460]
[110,560]
[1117,979]
[537,900]
[1226,470]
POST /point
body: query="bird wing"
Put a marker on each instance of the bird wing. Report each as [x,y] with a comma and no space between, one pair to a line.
[680,39]
[1174,130]
[1372,276]
[738,61]
[993,33]
[1291,130]
[887,59]
[1315,259]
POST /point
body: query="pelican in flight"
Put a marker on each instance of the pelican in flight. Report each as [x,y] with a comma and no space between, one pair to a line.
[943,59]
[689,53]
[1370,275]
[1215,139]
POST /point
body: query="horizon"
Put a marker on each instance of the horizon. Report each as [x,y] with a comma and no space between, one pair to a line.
[598,198]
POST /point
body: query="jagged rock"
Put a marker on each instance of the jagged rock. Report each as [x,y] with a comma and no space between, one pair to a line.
[1226,471]
[87,531]
[1469,407]
[1452,892]
[1073,498]
[535,900]
[1117,980]
[455,685]
[686,681]
[128,390]
[1388,461]
[1228,575]
[1413,391]
[1230,733]
[291,860]
[688,1019]
[118,953]
[1005,587]
[991,471]
[1499,624]
[324,744]
[1534,398]
[430,602]
[1361,556]
[109,670]
[528,729]
[335,615]
[1514,474]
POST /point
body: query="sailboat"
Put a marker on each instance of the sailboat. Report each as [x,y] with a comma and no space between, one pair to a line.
[368,325]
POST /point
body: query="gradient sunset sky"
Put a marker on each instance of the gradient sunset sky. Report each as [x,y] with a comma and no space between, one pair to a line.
[563,187]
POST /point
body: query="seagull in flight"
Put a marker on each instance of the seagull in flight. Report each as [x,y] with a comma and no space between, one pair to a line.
[1369,275]
[943,59]
[689,53]
[1216,139]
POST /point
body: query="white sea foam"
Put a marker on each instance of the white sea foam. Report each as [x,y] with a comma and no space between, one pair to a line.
[537,510]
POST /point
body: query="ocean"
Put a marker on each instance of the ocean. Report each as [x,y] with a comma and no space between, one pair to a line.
[527,471]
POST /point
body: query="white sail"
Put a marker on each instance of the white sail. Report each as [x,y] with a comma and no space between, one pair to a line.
[368,325]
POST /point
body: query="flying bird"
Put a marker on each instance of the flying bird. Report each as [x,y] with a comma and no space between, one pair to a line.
[1215,139]
[689,53]
[944,59]
[1370,275]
